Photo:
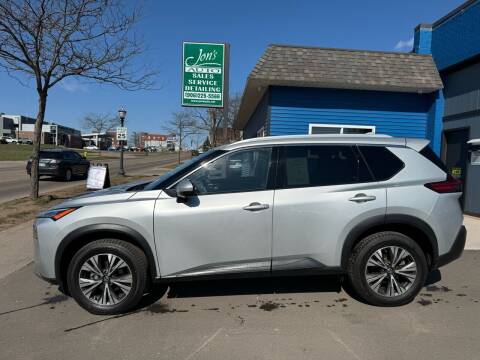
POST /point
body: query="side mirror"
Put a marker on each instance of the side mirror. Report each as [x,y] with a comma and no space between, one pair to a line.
[184,189]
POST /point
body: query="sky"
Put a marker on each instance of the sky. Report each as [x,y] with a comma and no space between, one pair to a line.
[248,26]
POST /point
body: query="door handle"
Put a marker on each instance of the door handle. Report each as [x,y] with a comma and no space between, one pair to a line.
[255,206]
[361,198]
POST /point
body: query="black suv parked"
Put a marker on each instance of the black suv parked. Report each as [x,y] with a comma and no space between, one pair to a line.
[61,163]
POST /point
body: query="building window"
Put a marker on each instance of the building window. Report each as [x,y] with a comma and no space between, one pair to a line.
[340,129]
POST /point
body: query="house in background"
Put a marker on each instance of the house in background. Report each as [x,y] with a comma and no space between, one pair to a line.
[311,90]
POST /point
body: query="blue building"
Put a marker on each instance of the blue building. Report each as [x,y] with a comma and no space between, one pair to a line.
[454,43]
[309,90]
[432,92]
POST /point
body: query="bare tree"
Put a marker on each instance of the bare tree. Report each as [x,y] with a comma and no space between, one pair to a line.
[211,120]
[99,123]
[183,125]
[48,41]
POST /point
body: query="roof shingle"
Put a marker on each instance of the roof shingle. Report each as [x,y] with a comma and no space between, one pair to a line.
[337,68]
[285,65]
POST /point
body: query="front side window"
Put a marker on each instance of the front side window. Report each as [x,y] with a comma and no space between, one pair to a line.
[240,171]
[321,165]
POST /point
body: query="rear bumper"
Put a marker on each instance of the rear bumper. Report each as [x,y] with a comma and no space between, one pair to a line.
[456,250]
[57,172]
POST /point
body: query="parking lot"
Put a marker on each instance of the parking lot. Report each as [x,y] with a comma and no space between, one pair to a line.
[282,318]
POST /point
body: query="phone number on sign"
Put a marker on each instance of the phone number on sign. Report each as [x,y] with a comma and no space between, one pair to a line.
[199,95]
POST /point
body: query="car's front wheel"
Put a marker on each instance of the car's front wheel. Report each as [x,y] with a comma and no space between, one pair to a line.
[108,276]
[387,269]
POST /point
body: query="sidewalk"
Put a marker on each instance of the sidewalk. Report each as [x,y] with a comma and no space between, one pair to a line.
[16,248]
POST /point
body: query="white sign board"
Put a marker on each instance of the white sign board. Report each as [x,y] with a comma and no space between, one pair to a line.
[475,160]
[96,177]
[121,133]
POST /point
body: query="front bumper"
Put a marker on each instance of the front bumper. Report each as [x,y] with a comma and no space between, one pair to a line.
[456,250]
[44,231]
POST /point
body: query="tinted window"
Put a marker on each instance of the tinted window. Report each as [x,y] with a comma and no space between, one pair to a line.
[430,155]
[244,170]
[381,161]
[50,155]
[69,156]
[76,155]
[321,165]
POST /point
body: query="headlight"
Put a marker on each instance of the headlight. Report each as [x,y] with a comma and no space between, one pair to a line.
[56,214]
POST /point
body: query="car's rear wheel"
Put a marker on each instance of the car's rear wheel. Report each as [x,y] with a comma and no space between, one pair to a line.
[68,175]
[387,269]
[108,276]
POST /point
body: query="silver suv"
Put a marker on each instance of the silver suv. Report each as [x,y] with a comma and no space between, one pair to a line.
[383,211]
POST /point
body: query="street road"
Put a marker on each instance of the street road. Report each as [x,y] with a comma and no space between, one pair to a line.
[15,183]
[297,318]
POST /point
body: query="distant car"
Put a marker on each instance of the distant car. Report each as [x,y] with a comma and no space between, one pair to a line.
[11,140]
[61,163]
[25,141]
[3,140]
[91,147]
[112,148]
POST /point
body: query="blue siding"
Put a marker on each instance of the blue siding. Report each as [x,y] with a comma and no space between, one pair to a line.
[458,38]
[258,119]
[434,124]
[422,41]
[396,114]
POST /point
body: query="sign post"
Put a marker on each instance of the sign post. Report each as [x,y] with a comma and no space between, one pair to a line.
[204,74]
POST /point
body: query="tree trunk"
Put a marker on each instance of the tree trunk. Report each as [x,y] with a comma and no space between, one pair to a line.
[37,136]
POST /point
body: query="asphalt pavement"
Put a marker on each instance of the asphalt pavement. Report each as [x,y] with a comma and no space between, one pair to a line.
[283,318]
[15,183]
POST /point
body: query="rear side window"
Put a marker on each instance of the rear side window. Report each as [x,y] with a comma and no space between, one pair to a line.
[321,165]
[50,155]
[430,155]
[381,161]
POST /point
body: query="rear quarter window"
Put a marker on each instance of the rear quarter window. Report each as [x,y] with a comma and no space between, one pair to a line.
[428,153]
[381,161]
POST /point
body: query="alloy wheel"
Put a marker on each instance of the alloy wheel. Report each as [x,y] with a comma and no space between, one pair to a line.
[105,279]
[390,271]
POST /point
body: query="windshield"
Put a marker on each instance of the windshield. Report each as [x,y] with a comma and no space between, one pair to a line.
[187,166]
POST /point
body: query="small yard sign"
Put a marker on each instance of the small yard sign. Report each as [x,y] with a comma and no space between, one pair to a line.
[204,74]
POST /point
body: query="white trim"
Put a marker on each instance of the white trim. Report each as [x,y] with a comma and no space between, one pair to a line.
[341,126]
[261,132]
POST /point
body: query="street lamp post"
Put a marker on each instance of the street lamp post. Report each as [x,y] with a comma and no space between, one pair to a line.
[122,114]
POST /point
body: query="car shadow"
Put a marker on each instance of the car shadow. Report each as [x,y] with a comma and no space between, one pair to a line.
[257,286]
[59,180]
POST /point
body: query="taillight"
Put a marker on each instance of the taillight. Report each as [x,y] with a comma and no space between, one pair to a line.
[451,185]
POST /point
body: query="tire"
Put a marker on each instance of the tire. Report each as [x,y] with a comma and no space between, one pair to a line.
[369,282]
[68,175]
[111,299]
